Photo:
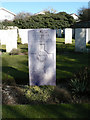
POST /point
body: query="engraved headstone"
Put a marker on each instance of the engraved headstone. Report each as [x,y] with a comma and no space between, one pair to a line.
[11,42]
[80,39]
[68,36]
[23,33]
[42,57]
[87,35]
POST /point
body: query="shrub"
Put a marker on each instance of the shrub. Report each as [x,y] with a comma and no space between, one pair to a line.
[79,83]
[14,52]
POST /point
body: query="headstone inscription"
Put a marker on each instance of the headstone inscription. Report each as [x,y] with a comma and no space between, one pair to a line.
[42,57]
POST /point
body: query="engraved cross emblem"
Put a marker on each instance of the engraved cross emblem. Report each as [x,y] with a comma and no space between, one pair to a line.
[42,55]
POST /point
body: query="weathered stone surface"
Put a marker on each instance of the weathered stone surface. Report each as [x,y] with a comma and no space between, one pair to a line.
[80,39]
[11,42]
[23,33]
[68,36]
[42,57]
[87,35]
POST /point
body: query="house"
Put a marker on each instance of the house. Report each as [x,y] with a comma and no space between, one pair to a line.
[41,13]
[6,14]
[75,16]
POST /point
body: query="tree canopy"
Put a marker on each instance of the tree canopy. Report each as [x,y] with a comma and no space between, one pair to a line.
[84,14]
[49,20]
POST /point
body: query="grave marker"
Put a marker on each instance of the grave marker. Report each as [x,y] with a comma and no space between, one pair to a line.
[3,37]
[68,36]
[11,42]
[42,57]
[80,39]
[23,33]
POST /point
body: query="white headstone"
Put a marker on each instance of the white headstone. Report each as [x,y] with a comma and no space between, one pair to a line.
[80,39]
[11,40]
[3,37]
[68,36]
[87,35]
[42,56]
[23,33]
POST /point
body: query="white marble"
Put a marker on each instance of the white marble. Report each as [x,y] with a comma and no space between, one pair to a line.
[68,36]
[80,39]
[23,33]
[11,42]
[42,57]
[3,37]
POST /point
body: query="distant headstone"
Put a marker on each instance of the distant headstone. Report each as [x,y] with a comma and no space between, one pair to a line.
[42,57]
[87,35]
[11,42]
[58,33]
[68,36]
[23,33]
[3,37]
[80,39]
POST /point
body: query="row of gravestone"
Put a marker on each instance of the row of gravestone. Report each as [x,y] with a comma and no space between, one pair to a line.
[60,33]
[42,51]
[23,34]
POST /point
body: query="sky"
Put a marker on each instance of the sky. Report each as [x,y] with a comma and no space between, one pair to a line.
[35,7]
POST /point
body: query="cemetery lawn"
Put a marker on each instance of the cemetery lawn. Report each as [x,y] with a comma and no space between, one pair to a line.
[47,111]
[15,72]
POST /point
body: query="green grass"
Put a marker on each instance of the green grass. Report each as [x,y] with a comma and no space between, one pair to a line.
[68,62]
[15,67]
[46,111]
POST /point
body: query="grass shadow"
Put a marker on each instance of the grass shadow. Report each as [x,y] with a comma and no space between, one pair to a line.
[20,77]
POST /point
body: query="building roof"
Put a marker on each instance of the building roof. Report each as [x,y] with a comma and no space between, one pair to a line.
[74,14]
[42,12]
[8,11]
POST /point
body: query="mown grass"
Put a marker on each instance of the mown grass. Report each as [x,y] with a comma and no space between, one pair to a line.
[47,111]
[68,62]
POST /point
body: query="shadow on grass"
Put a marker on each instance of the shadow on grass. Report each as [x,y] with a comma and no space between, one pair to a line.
[20,77]
[47,111]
